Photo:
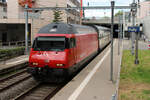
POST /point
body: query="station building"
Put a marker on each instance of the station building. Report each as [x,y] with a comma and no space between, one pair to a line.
[12,23]
[143,10]
[143,17]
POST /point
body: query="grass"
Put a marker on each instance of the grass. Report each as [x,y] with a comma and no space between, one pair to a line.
[135,79]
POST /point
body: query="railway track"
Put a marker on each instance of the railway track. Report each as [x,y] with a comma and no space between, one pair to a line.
[12,68]
[12,75]
[21,86]
[39,92]
[12,80]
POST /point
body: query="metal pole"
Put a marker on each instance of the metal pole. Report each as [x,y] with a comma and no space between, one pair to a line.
[81,12]
[32,37]
[136,56]
[133,34]
[119,34]
[112,31]
[123,22]
[26,30]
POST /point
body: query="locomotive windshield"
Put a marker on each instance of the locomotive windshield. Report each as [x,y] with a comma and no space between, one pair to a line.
[49,44]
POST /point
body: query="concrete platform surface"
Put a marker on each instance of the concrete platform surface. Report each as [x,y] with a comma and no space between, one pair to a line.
[14,61]
[93,82]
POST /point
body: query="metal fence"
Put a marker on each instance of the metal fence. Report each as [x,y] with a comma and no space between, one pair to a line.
[13,44]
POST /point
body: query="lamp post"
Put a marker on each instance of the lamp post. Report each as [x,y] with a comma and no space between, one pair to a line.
[26,30]
[112,31]
[137,37]
[119,34]
[136,50]
[134,9]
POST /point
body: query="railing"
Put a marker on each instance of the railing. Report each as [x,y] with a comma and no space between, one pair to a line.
[14,43]
[30,15]
[76,2]
[73,12]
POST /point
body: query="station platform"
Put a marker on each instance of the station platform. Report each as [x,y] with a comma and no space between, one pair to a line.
[93,82]
[17,61]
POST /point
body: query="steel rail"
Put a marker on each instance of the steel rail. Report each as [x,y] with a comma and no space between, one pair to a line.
[14,75]
[47,93]
[27,91]
[13,68]
[6,87]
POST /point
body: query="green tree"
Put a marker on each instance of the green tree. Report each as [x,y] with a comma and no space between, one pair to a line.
[57,15]
[118,13]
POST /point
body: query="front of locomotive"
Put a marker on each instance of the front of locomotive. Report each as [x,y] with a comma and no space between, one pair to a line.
[49,52]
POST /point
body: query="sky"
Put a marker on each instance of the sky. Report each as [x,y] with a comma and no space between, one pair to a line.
[106,12]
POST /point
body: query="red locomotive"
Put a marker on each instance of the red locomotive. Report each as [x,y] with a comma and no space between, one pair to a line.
[59,49]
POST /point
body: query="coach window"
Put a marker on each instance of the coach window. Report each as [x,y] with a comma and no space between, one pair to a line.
[72,42]
[99,35]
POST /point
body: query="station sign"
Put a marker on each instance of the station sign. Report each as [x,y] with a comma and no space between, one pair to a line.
[134,29]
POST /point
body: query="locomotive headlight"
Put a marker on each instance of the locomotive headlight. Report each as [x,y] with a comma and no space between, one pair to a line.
[35,64]
[59,65]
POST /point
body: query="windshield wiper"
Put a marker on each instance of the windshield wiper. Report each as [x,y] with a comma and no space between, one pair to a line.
[38,49]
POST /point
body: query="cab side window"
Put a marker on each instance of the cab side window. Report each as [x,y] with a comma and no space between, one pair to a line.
[72,42]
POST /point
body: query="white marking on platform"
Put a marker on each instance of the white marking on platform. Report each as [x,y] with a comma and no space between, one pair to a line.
[88,78]
[17,61]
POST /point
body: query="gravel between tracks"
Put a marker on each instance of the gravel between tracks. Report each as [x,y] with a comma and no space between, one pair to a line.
[16,90]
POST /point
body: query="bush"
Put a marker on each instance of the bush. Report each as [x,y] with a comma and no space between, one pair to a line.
[10,53]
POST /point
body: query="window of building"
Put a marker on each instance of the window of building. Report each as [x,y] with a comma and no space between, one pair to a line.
[3,0]
[4,17]
[5,9]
